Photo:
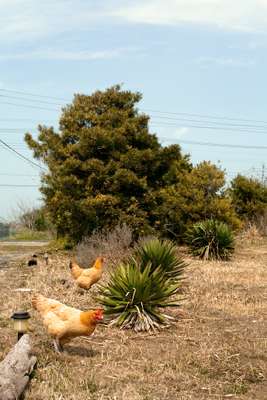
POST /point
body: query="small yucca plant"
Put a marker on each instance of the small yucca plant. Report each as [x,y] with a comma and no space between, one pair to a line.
[160,253]
[135,297]
[211,240]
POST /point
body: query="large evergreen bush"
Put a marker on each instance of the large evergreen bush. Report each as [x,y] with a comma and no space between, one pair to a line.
[104,166]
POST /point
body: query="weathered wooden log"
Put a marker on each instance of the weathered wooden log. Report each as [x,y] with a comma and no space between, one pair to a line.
[15,369]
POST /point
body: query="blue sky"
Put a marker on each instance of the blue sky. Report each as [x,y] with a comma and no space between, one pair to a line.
[189,58]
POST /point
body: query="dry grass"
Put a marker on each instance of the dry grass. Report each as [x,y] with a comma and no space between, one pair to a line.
[216,350]
[114,245]
[250,235]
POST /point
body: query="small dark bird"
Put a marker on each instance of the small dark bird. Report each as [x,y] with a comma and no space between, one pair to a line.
[46,258]
[32,261]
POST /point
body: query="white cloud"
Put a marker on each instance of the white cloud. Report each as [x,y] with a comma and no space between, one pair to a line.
[170,135]
[225,62]
[30,20]
[246,15]
[70,55]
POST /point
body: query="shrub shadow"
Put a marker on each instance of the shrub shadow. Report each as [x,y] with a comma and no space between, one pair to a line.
[80,351]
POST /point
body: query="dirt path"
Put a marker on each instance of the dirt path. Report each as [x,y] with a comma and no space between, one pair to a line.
[34,243]
[11,252]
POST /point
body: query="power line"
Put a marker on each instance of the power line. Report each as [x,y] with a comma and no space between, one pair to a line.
[15,185]
[23,119]
[33,94]
[28,106]
[215,128]
[159,124]
[29,100]
[223,126]
[205,116]
[23,146]
[10,130]
[21,155]
[223,145]
[211,122]
[24,175]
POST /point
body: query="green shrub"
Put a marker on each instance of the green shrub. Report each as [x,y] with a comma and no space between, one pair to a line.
[249,197]
[160,253]
[211,240]
[138,290]
[198,195]
[135,297]
[103,165]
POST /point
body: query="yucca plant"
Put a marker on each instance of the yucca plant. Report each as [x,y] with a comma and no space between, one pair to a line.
[160,253]
[211,240]
[136,296]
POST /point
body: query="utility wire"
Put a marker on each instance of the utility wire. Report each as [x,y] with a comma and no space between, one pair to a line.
[223,145]
[21,155]
[215,128]
[29,106]
[23,119]
[11,185]
[205,116]
[158,124]
[29,100]
[211,122]
[24,175]
[22,146]
[10,130]
[223,126]
[33,94]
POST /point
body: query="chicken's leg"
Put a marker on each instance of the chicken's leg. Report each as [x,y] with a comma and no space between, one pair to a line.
[57,346]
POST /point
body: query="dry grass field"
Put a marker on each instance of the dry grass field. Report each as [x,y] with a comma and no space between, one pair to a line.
[217,349]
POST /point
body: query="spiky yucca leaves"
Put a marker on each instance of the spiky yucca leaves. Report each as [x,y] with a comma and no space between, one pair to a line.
[211,240]
[136,296]
[160,253]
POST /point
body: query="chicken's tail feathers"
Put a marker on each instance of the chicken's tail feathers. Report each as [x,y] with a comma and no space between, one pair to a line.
[98,264]
[36,300]
[75,269]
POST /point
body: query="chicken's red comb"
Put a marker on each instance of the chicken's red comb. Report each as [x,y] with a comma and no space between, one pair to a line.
[99,312]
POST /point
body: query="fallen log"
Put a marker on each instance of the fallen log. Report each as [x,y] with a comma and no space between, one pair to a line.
[15,369]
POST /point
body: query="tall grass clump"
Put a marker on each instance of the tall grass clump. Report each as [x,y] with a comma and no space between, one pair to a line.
[211,240]
[140,289]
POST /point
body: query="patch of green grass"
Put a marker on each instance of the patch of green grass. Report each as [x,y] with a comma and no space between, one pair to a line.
[235,388]
[28,235]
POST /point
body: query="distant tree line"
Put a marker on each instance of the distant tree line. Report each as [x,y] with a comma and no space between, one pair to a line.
[4,230]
